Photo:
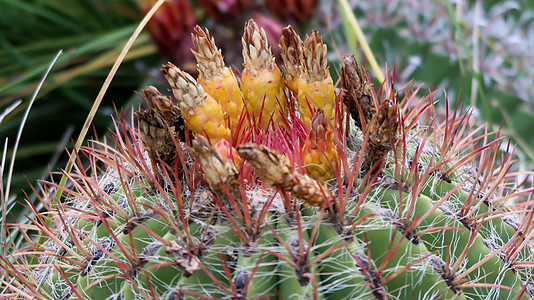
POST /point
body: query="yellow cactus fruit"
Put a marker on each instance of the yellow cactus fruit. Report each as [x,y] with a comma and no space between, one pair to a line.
[202,114]
[217,80]
[319,151]
[292,47]
[318,90]
[261,81]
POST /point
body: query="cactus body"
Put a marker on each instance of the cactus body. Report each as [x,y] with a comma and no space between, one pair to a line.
[395,208]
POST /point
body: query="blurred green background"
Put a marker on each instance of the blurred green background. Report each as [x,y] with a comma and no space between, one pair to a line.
[480,52]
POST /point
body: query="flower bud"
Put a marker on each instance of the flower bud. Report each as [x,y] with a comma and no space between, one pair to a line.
[224,10]
[228,152]
[298,10]
[170,27]
[262,83]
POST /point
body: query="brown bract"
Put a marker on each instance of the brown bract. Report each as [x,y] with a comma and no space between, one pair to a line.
[273,28]
[183,258]
[276,170]
[160,125]
[220,173]
[358,93]
[382,134]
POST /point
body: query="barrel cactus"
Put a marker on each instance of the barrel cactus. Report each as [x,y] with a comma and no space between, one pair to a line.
[279,186]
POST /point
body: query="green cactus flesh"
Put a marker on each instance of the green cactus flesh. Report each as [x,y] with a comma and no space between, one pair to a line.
[436,217]
[128,237]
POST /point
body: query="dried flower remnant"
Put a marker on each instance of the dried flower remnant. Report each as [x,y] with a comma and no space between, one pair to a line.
[183,258]
[160,126]
[261,81]
[202,113]
[219,172]
[358,94]
[218,80]
[382,134]
[276,170]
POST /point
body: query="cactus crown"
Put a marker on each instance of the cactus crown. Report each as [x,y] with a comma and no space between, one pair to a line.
[282,188]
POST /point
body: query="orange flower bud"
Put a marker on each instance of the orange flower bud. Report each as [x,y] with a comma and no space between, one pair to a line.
[228,152]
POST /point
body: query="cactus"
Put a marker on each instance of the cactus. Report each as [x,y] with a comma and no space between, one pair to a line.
[384,202]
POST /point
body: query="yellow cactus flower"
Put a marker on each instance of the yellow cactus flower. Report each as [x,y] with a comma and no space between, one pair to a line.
[261,81]
[217,80]
[318,90]
[307,73]
[292,48]
[202,114]
[319,151]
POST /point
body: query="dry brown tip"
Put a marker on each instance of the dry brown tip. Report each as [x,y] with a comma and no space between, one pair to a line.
[256,51]
[183,258]
[292,48]
[315,62]
[186,90]
[382,134]
[209,58]
[160,125]
[276,170]
[274,167]
[220,173]
[385,124]
[159,103]
[358,93]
